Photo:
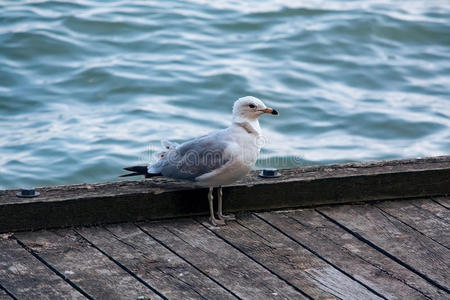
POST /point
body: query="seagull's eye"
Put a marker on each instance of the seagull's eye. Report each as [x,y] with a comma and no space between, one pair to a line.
[251,106]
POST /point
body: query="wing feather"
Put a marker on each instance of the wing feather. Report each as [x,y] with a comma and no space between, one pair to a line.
[193,158]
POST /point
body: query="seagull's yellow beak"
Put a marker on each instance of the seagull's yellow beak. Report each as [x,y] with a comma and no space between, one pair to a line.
[271,111]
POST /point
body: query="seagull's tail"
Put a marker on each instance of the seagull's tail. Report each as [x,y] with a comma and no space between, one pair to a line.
[138,170]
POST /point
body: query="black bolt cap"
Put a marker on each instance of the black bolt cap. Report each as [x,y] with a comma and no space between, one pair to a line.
[269,173]
[27,193]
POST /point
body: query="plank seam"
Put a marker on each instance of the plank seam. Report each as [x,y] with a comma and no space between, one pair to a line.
[187,261]
[413,228]
[181,280]
[429,211]
[388,273]
[322,258]
[254,260]
[254,232]
[119,239]
[157,268]
[123,267]
[361,238]
[70,282]
[7,292]
[437,202]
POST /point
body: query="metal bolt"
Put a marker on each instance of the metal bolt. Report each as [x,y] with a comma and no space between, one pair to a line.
[27,193]
[269,173]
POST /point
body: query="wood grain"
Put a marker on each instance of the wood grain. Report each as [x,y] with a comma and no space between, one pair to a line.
[152,262]
[85,266]
[4,295]
[352,256]
[159,198]
[220,261]
[424,215]
[291,261]
[444,201]
[423,255]
[27,278]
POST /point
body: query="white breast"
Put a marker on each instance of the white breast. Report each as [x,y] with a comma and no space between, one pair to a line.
[243,151]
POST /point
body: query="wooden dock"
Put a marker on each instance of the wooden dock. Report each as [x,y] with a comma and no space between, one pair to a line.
[387,250]
[347,246]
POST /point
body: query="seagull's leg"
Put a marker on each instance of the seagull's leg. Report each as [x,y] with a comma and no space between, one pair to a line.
[220,215]
[213,219]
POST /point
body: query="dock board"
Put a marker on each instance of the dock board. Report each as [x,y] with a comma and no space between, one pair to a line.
[4,295]
[355,258]
[162,198]
[383,250]
[220,261]
[291,261]
[87,269]
[158,266]
[417,252]
[25,277]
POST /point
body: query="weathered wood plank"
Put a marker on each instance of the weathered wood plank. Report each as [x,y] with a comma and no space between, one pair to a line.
[408,247]
[27,278]
[220,261]
[289,260]
[427,217]
[159,198]
[352,256]
[85,266]
[4,295]
[435,208]
[444,201]
[152,262]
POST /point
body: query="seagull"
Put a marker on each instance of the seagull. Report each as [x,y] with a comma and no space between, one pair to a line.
[216,159]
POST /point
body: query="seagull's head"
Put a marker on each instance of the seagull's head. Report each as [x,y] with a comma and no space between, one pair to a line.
[251,108]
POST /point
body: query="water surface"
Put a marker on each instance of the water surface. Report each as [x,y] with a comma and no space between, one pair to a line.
[88,87]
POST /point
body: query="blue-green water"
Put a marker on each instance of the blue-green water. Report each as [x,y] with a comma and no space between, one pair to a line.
[89,87]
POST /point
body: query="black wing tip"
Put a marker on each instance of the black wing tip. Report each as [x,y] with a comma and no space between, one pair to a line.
[129,174]
[136,168]
[138,171]
[142,170]
[135,171]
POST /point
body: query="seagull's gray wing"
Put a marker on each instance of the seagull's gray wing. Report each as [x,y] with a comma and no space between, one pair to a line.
[193,158]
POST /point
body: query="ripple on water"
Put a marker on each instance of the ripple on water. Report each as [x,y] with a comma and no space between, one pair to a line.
[87,88]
